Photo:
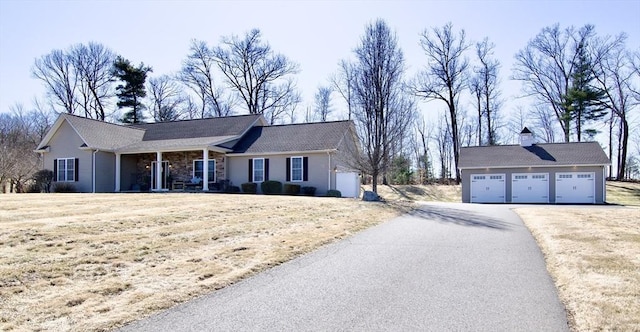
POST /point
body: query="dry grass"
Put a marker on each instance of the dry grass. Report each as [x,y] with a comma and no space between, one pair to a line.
[425,193]
[93,262]
[593,255]
[623,193]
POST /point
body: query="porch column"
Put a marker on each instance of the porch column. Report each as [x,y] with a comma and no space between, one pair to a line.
[158,171]
[118,162]
[205,169]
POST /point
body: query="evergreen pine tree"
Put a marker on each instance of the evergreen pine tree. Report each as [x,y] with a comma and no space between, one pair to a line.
[584,102]
[130,93]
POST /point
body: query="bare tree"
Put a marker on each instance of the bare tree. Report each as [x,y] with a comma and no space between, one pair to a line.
[322,105]
[421,145]
[20,133]
[198,74]
[259,77]
[543,117]
[484,86]
[56,71]
[79,80]
[616,77]
[166,98]
[546,65]
[444,140]
[92,64]
[343,83]
[381,109]
[445,75]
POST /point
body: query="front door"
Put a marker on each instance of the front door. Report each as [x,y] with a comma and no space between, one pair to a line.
[164,175]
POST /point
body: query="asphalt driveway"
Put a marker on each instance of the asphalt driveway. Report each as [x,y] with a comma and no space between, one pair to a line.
[445,267]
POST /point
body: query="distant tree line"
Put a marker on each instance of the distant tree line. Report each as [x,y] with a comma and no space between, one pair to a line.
[580,85]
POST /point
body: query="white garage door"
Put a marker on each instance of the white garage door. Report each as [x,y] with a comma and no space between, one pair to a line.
[348,183]
[530,188]
[487,188]
[575,187]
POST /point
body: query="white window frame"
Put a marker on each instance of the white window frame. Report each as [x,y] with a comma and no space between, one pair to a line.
[66,169]
[211,169]
[255,170]
[301,179]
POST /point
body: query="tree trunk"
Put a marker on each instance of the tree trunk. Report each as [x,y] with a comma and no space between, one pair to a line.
[611,145]
[374,181]
[456,147]
[622,165]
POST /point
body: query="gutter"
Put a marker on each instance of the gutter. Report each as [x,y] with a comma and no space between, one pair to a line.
[282,153]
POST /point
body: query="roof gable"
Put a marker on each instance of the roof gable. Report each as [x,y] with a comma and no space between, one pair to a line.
[319,136]
[94,133]
[549,155]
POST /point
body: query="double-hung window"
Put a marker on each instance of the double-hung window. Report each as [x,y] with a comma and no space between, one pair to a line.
[296,169]
[66,170]
[258,170]
[198,169]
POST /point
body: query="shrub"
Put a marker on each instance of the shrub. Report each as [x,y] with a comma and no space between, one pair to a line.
[249,187]
[334,193]
[64,187]
[233,189]
[271,187]
[308,191]
[291,189]
[33,188]
[43,179]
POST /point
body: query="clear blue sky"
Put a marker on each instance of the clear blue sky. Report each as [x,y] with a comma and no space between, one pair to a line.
[315,34]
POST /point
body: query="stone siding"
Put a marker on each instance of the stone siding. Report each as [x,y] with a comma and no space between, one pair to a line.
[180,163]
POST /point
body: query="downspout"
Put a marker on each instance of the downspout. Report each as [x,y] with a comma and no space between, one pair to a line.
[93,177]
[329,184]
[604,184]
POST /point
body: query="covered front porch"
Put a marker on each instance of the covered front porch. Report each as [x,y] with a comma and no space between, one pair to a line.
[193,170]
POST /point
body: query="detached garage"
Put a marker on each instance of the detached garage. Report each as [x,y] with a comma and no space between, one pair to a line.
[534,173]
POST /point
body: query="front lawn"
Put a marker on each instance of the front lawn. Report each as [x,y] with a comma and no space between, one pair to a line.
[593,255]
[96,261]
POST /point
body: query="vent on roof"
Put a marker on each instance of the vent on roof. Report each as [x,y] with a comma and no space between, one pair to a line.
[526,137]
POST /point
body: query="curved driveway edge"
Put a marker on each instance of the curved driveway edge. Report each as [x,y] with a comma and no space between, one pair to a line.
[443,267]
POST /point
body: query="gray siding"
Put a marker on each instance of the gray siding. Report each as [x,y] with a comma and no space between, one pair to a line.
[105,172]
[318,176]
[598,170]
[66,143]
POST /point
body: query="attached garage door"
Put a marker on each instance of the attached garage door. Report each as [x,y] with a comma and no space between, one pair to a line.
[575,187]
[348,183]
[530,188]
[487,188]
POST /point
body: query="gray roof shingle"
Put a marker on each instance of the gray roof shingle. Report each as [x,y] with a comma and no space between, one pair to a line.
[103,135]
[549,154]
[213,127]
[293,138]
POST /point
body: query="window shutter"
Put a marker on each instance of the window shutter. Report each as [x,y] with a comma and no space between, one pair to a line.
[305,169]
[250,170]
[55,170]
[266,169]
[75,169]
[288,169]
